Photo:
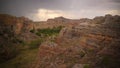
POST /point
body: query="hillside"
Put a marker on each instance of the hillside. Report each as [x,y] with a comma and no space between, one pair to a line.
[13,33]
[89,44]
[60,42]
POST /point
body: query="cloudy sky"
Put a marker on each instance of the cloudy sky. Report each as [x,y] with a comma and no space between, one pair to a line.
[40,10]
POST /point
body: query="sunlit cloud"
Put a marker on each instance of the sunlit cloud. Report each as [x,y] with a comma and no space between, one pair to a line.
[114,12]
[44,14]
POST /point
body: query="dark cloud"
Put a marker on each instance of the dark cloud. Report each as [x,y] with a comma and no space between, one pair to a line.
[16,7]
[117,1]
[21,7]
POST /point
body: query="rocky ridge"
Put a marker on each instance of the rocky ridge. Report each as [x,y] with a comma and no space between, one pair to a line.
[92,43]
[13,32]
[82,43]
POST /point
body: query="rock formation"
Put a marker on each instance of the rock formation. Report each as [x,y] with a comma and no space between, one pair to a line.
[92,43]
[13,30]
[82,43]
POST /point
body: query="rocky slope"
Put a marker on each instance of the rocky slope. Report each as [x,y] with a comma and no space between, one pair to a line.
[93,43]
[82,43]
[58,21]
[13,31]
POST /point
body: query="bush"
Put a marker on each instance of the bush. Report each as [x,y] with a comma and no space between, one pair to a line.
[9,48]
[82,54]
[32,31]
[105,60]
[48,31]
[8,52]
[35,44]
[86,66]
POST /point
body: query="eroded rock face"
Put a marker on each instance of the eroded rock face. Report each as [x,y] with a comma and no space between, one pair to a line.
[78,66]
[49,44]
[97,41]
[13,31]
[94,42]
[15,24]
[60,21]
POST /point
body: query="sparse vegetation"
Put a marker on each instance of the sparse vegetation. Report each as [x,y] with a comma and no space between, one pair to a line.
[8,51]
[33,30]
[47,31]
[35,44]
[82,54]
[105,60]
[22,60]
[86,66]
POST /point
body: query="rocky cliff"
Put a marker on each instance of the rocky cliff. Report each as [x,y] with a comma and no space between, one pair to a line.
[58,21]
[82,43]
[92,43]
[15,24]
[13,31]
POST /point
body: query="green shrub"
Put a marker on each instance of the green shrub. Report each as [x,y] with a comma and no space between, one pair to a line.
[8,51]
[48,31]
[35,44]
[82,54]
[32,31]
[86,66]
[105,60]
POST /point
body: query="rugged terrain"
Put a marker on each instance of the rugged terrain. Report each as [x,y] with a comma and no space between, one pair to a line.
[61,42]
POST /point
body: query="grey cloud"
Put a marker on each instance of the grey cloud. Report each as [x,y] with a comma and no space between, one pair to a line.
[117,1]
[21,7]
[26,7]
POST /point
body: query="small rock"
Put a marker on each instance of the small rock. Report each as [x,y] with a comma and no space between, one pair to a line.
[78,66]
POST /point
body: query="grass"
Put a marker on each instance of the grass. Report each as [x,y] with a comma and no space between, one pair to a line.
[82,54]
[35,44]
[106,60]
[86,66]
[25,58]
[27,54]
[28,50]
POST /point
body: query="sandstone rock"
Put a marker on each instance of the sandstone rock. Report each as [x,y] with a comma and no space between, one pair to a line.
[49,44]
[95,40]
[78,66]
[12,30]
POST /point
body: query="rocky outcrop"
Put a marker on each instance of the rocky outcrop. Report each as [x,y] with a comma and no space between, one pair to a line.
[83,43]
[50,23]
[13,31]
[59,21]
[99,42]
[92,43]
[15,24]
